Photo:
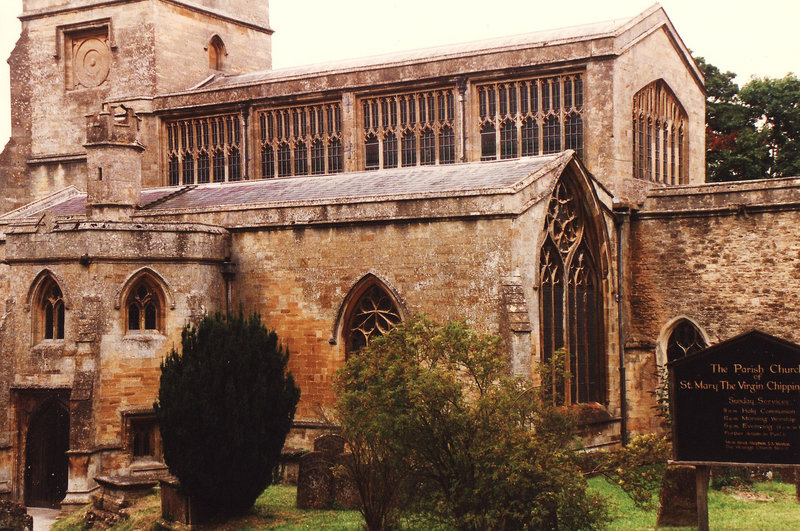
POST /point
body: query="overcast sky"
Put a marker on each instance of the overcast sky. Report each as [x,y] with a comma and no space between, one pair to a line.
[751,38]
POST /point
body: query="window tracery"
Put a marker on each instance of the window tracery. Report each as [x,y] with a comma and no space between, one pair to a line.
[307,140]
[659,125]
[685,339]
[144,307]
[203,150]
[570,301]
[51,314]
[421,124]
[512,120]
[372,314]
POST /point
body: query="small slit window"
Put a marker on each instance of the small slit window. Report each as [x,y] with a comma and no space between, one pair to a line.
[216,53]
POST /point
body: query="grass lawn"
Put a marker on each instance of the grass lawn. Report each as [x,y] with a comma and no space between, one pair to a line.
[275,509]
[726,510]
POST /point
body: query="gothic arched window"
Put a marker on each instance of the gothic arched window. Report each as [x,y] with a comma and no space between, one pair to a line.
[216,53]
[657,117]
[685,339]
[144,306]
[372,314]
[570,301]
[51,311]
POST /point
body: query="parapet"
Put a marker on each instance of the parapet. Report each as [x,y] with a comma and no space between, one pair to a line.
[114,124]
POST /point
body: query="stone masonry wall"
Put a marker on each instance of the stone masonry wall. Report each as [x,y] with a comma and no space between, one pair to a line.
[728,270]
[298,280]
[106,369]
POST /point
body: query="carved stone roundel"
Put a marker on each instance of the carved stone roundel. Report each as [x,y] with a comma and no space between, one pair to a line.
[92,61]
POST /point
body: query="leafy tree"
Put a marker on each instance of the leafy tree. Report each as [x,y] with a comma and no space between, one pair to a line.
[774,105]
[468,445]
[752,133]
[734,145]
[225,405]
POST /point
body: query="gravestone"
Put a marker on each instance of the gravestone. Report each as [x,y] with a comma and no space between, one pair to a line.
[329,445]
[315,481]
[318,487]
[677,501]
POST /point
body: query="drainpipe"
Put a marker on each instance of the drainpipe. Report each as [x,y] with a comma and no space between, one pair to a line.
[228,273]
[621,217]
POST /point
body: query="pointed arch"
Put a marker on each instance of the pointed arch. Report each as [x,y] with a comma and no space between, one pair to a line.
[216,52]
[124,290]
[573,264]
[370,308]
[681,336]
[35,288]
[658,114]
[144,299]
[46,299]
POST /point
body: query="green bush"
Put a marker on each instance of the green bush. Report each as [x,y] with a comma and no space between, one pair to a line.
[225,405]
[638,468]
[468,445]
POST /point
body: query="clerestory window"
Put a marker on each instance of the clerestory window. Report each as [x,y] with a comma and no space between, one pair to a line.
[204,150]
[531,117]
[570,302]
[301,140]
[409,129]
[216,53]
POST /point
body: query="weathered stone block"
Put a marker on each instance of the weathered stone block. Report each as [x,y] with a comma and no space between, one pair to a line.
[677,501]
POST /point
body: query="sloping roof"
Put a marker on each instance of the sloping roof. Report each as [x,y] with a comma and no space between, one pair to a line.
[418,182]
[526,40]
[393,184]
[623,33]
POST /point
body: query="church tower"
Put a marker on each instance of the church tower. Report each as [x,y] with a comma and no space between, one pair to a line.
[72,56]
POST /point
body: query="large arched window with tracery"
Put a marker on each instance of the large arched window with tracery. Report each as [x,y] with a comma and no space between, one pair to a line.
[144,307]
[372,313]
[685,339]
[51,311]
[570,301]
[659,125]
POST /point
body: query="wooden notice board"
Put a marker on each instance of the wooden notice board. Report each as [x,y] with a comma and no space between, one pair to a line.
[738,402]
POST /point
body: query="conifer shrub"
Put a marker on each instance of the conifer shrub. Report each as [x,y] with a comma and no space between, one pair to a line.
[225,404]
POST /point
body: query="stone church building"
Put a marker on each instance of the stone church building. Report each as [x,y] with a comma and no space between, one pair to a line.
[546,187]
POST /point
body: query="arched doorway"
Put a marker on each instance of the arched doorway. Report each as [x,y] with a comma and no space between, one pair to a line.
[46,462]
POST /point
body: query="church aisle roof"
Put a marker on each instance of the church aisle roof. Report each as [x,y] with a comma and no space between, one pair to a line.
[391,184]
[418,182]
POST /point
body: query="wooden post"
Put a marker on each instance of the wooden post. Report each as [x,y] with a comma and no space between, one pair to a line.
[797,483]
[701,478]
